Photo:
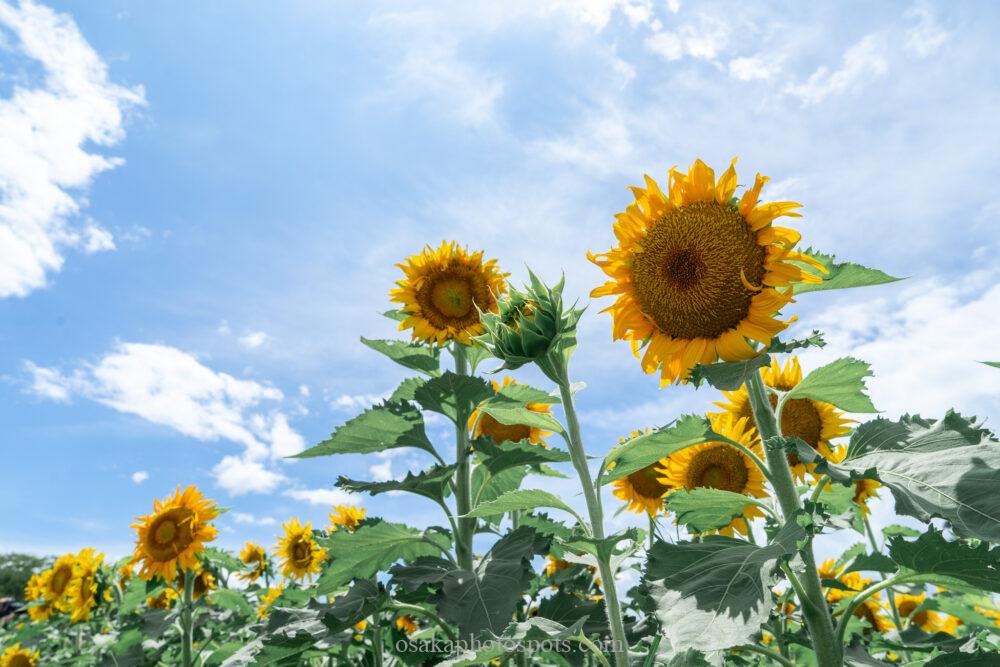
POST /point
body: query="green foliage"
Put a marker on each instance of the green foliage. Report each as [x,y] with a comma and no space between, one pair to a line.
[422,358]
[728,375]
[841,275]
[507,409]
[778,346]
[649,448]
[15,571]
[445,393]
[521,500]
[841,383]
[432,483]
[498,457]
[387,426]
[706,509]
[932,555]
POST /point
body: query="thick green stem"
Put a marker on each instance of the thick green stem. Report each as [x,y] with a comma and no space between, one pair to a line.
[187,620]
[858,599]
[579,458]
[829,651]
[377,642]
[463,473]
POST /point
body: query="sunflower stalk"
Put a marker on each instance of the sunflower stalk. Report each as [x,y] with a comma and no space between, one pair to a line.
[187,620]
[463,475]
[829,650]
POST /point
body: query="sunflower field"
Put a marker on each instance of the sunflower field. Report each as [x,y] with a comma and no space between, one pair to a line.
[701,282]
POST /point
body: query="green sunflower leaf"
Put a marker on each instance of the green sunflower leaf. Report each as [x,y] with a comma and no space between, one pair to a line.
[407,389]
[514,411]
[706,508]
[546,526]
[872,562]
[415,356]
[994,364]
[518,634]
[840,275]
[963,659]
[227,598]
[902,531]
[714,594]
[728,375]
[932,554]
[373,548]
[521,500]
[387,426]
[487,487]
[647,449]
[397,315]
[446,392]
[500,456]
[778,346]
[841,383]
[431,483]
[523,393]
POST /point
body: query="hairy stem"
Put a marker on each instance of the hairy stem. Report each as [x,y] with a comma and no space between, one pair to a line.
[187,620]
[579,458]
[829,651]
[463,473]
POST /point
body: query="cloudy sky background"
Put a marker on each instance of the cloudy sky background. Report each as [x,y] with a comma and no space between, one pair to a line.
[201,206]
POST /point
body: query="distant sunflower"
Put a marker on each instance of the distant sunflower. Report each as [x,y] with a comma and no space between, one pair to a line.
[346,516]
[170,539]
[815,422]
[298,552]
[254,556]
[871,609]
[554,565]
[695,272]
[406,624]
[165,600]
[204,582]
[268,599]
[642,490]
[82,591]
[125,573]
[717,465]
[359,629]
[56,581]
[863,490]
[927,620]
[481,424]
[443,292]
[15,656]
[34,592]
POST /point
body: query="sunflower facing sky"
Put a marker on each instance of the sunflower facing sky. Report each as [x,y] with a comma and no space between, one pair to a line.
[347,517]
[717,465]
[481,424]
[254,556]
[170,539]
[297,551]
[443,292]
[643,490]
[696,272]
[815,422]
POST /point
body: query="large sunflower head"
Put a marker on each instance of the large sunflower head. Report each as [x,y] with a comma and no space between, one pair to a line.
[81,593]
[643,490]
[482,424]
[348,517]
[171,538]
[15,656]
[297,551]
[815,422]
[718,465]
[444,290]
[696,272]
[254,556]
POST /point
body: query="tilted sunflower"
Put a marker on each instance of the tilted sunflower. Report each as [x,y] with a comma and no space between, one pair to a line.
[643,490]
[165,600]
[15,656]
[254,556]
[81,593]
[443,292]
[815,422]
[268,599]
[297,551]
[927,620]
[481,424]
[56,581]
[170,539]
[718,465]
[34,592]
[204,582]
[697,273]
[346,516]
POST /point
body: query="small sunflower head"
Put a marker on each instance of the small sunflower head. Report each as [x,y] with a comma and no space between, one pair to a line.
[531,326]
[348,517]
[255,558]
[268,599]
[15,656]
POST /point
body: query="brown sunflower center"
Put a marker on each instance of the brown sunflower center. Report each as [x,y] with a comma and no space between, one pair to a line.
[170,534]
[720,467]
[449,298]
[687,277]
[302,553]
[19,660]
[905,607]
[503,432]
[60,579]
[646,482]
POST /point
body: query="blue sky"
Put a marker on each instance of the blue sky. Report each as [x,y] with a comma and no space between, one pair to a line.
[201,206]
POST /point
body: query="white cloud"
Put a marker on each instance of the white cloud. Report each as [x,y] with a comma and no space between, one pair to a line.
[250,519]
[304,391]
[381,472]
[705,40]
[140,476]
[862,63]
[750,69]
[254,339]
[323,496]
[167,386]
[600,143]
[923,344]
[356,402]
[44,134]
[239,475]
[926,36]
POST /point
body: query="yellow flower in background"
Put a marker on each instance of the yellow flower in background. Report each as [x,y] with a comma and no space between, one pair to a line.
[815,422]
[165,600]
[170,539]
[33,592]
[204,582]
[346,516]
[643,490]
[717,465]
[481,424]
[406,624]
[82,590]
[15,656]
[990,613]
[359,628]
[443,292]
[56,580]
[265,602]
[126,572]
[927,620]
[554,565]
[696,273]
[297,551]
[863,490]
[253,555]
